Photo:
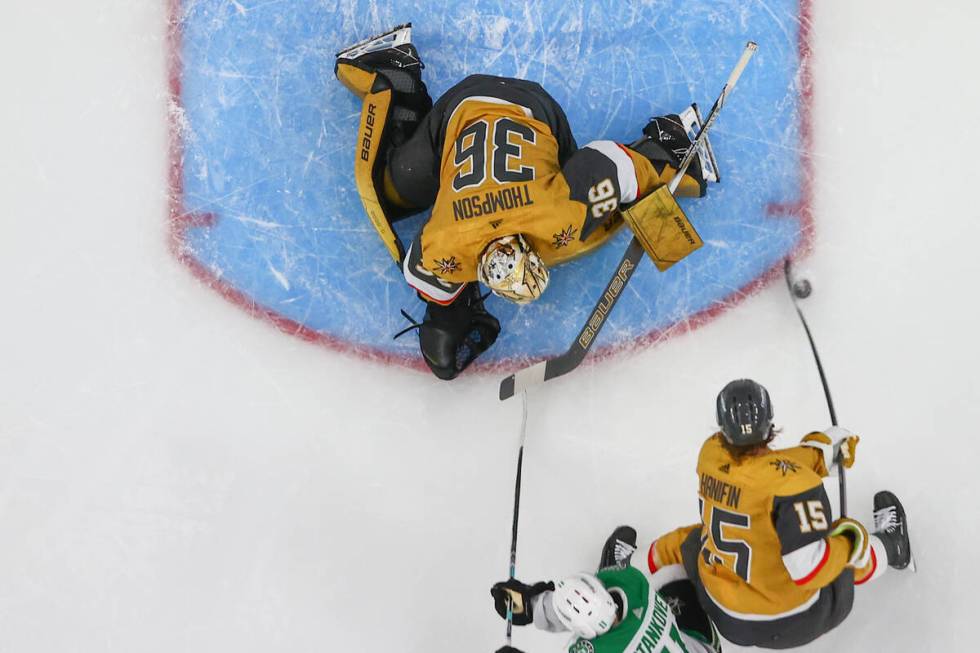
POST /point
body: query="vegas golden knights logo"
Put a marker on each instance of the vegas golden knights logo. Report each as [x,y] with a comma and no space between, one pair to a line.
[785,466]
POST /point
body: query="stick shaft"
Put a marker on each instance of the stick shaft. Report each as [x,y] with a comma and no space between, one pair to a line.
[517,510]
[823,375]
[570,359]
[841,480]
[743,61]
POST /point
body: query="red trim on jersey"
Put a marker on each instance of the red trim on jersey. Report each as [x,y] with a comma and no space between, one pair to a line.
[826,556]
[653,565]
[436,301]
[874,568]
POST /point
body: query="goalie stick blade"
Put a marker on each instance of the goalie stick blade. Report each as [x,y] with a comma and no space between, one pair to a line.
[396,36]
[506,390]
[541,372]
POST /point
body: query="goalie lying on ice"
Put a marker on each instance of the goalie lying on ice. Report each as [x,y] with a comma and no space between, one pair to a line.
[510,191]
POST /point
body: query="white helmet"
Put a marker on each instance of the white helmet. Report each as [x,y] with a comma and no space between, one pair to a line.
[584,606]
[512,270]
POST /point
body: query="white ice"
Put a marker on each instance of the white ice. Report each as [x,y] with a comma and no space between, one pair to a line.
[177,476]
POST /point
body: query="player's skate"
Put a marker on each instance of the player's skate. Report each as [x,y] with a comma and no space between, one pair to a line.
[692,121]
[388,61]
[393,49]
[891,527]
[391,55]
[618,549]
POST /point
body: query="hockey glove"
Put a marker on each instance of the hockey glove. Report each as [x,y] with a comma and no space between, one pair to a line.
[521,595]
[845,446]
[858,535]
[451,337]
[837,444]
[509,649]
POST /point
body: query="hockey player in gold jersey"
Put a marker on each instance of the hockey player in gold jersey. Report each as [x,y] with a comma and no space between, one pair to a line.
[511,193]
[770,566]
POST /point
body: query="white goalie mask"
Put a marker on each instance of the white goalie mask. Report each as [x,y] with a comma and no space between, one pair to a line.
[513,270]
[584,606]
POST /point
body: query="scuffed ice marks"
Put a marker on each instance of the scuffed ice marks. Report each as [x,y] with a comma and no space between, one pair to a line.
[267,135]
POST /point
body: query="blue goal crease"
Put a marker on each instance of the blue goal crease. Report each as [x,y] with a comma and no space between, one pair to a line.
[269,148]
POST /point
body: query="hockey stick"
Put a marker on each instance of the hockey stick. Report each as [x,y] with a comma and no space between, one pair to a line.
[517,512]
[800,290]
[565,363]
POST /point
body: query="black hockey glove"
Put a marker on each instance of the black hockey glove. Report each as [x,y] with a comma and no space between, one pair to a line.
[665,142]
[521,595]
[451,337]
[509,649]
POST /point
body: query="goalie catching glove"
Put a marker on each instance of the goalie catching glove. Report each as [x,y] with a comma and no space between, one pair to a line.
[452,336]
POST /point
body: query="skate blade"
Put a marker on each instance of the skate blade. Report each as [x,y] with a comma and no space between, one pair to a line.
[692,121]
[396,36]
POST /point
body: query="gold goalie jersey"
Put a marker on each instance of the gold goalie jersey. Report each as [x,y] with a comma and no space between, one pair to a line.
[765,549]
[500,175]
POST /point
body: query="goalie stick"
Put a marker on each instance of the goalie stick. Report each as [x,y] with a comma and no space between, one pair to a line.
[798,290]
[565,363]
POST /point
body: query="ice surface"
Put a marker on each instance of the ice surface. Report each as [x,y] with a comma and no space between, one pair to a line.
[268,153]
[176,475]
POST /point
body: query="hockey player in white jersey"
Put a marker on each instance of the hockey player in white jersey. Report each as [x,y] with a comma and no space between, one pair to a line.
[620,609]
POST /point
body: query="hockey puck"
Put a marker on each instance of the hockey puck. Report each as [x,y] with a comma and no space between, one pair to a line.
[802,288]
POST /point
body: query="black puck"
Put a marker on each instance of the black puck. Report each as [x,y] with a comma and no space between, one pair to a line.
[802,288]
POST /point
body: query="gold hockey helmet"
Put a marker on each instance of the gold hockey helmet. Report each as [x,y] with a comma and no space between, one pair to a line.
[513,270]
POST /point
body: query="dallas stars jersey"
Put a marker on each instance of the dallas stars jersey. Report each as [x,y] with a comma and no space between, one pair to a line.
[648,624]
[499,174]
[765,522]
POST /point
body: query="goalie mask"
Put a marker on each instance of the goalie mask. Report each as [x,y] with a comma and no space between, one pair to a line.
[512,270]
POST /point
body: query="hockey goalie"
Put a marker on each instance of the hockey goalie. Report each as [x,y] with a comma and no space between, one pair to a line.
[511,193]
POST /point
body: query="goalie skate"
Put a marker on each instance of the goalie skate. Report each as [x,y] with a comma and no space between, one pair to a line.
[692,121]
[396,44]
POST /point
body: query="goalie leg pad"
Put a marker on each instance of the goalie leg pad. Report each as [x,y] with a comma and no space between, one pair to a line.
[359,80]
[367,171]
[388,61]
[385,72]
